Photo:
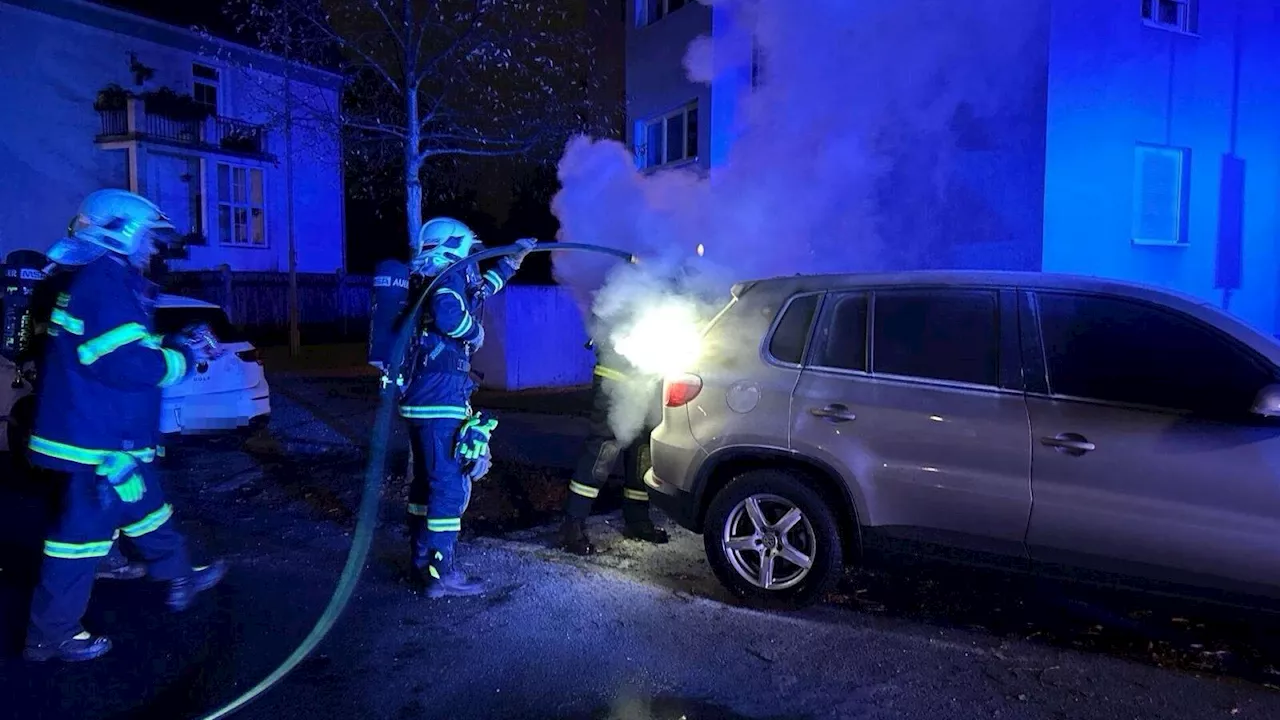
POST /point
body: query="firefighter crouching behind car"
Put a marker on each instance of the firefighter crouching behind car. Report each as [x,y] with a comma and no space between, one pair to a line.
[600,457]
[449,442]
[97,422]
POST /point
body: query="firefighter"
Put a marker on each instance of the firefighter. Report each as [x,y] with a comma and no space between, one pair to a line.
[448,441]
[97,421]
[54,279]
[600,456]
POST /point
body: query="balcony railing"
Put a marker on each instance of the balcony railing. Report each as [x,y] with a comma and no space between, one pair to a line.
[135,123]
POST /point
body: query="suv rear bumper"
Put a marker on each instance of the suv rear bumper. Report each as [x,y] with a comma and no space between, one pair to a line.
[675,503]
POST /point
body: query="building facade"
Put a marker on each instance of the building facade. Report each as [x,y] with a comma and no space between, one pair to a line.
[99,98]
[667,114]
[1143,146]
[1163,148]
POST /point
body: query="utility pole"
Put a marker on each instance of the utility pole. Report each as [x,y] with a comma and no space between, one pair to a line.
[295,337]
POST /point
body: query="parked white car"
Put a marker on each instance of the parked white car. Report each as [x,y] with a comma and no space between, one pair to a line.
[226,394]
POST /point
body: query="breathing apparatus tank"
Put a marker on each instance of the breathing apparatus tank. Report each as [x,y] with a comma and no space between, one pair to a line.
[23,273]
[390,297]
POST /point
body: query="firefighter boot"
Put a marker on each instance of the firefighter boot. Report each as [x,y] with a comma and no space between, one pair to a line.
[645,532]
[183,591]
[574,539]
[78,647]
[441,578]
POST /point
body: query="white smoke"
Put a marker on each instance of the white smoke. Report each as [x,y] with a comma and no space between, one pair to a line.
[855,152]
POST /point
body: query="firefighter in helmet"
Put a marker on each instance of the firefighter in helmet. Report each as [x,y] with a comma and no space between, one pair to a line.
[97,422]
[448,440]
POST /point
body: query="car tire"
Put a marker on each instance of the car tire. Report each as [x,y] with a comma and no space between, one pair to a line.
[814,535]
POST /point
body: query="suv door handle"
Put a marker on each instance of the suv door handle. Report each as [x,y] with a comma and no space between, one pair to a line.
[834,412]
[1069,444]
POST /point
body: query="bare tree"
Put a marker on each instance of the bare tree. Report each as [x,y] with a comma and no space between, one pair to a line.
[431,81]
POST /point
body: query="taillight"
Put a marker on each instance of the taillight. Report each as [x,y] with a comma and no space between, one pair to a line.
[250,355]
[680,389]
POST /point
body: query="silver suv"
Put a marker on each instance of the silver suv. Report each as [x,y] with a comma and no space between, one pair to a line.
[1035,422]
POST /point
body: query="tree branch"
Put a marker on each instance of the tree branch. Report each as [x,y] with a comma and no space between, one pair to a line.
[345,43]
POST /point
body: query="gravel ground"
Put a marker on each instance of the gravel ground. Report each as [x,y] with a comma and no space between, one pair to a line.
[636,632]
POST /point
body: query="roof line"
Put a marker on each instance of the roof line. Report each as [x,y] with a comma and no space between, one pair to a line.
[111,19]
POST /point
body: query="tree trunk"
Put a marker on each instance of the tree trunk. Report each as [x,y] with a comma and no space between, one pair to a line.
[412,167]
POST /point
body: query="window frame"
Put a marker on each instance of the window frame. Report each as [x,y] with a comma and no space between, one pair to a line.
[1182,208]
[642,149]
[1044,389]
[642,11]
[234,204]
[215,83]
[766,353]
[1188,20]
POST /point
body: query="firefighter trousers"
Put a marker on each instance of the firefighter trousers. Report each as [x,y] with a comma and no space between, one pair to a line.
[83,535]
[599,458]
[440,490]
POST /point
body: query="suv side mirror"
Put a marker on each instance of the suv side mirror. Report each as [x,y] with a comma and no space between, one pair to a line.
[1267,402]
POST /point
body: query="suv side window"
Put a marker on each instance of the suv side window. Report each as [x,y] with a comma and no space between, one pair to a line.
[842,341]
[938,334]
[787,343]
[1128,352]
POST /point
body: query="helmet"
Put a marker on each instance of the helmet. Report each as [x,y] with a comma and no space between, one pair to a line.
[116,221]
[441,242]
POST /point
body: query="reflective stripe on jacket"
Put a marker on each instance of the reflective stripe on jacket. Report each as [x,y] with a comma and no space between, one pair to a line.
[102,371]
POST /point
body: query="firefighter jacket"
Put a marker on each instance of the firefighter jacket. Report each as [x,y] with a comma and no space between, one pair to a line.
[102,371]
[439,382]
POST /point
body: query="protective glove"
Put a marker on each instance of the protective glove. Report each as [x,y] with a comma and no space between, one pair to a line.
[525,245]
[203,343]
[473,438]
[479,341]
[120,473]
[480,467]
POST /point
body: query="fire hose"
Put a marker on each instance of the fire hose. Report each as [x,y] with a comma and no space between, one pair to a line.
[367,516]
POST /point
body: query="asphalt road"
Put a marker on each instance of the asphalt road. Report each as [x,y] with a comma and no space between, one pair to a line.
[637,632]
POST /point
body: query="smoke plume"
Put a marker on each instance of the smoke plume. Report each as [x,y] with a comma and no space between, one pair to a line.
[871,142]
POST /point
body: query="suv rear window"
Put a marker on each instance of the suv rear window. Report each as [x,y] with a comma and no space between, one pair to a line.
[937,334]
[787,343]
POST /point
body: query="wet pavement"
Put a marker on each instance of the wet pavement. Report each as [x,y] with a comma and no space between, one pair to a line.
[636,632]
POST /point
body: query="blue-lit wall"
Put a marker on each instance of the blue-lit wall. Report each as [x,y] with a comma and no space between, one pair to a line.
[1115,82]
[55,55]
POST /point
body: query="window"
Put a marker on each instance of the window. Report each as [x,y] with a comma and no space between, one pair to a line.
[842,342]
[204,86]
[937,334]
[1127,352]
[241,208]
[671,138]
[1160,192]
[1180,15]
[649,12]
[787,343]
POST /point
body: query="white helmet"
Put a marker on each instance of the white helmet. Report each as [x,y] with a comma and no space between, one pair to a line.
[442,241]
[116,221]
